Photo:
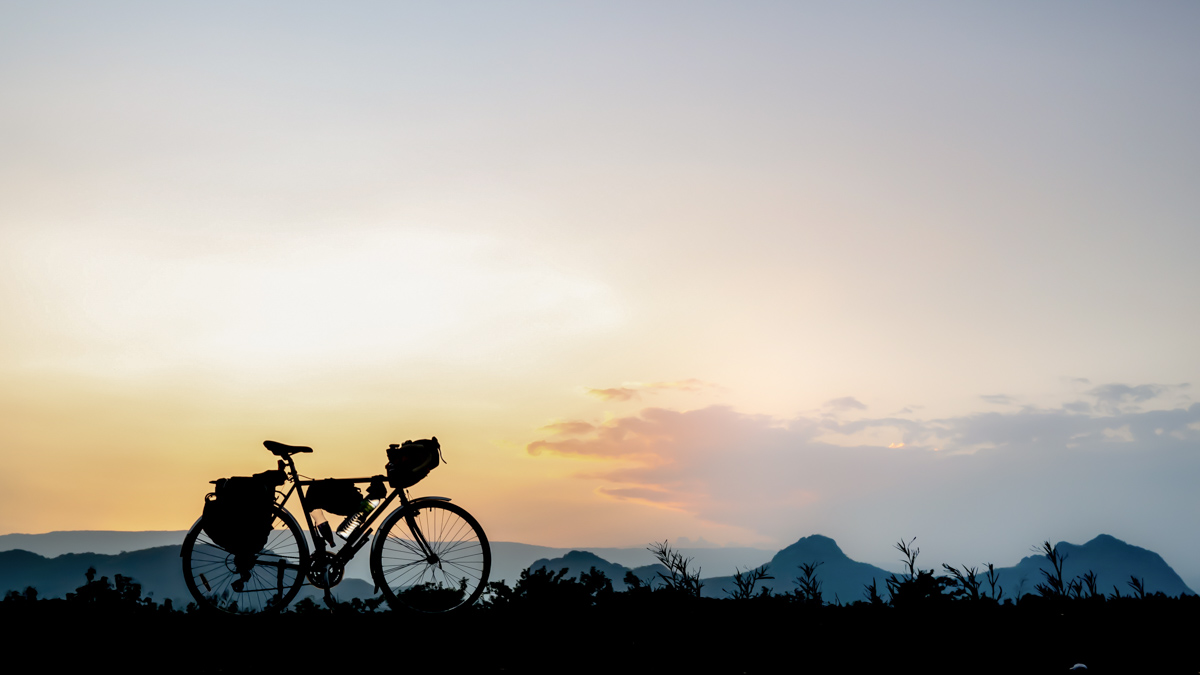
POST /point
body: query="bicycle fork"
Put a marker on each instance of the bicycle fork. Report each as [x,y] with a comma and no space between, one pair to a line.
[419,536]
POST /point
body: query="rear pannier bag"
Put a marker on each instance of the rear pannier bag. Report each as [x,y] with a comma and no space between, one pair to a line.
[238,514]
[411,461]
[341,497]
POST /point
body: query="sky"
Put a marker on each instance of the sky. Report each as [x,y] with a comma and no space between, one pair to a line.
[714,272]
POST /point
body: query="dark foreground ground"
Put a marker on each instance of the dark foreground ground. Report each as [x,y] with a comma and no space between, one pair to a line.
[646,635]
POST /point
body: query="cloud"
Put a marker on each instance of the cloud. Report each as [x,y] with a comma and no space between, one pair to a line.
[998,399]
[651,495]
[616,394]
[632,390]
[690,384]
[570,428]
[969,479]
[845,403]
[1115,398]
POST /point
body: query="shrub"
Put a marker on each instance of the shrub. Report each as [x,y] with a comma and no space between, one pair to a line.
[808,588]
[680,577]
[918,587]
[745,582]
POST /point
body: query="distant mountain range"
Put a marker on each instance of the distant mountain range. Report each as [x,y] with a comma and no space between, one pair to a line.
[508,558]
[109,542]
[54,565]
[843,579]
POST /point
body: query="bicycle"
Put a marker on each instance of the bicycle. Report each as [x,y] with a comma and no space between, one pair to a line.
[429,555]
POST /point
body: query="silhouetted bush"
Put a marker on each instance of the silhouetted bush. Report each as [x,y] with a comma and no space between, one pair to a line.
[543,589]
[917,588]
[744,583]
[808,587]
[680,577]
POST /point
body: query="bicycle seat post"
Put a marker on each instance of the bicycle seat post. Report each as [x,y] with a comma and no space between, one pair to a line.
[288,465]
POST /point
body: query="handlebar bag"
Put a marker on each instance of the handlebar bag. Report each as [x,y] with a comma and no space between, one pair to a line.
[411,461]
[237,515]
[334,495]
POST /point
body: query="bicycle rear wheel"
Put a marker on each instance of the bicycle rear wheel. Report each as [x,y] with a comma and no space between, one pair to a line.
[275,578]
[431,556]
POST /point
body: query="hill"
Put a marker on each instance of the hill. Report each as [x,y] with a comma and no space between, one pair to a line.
[1112,560]
[157,568]
[584,561]
[109,542]
[841,578]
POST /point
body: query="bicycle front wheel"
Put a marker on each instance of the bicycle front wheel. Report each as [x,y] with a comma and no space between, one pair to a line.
[214,580]
[430,556]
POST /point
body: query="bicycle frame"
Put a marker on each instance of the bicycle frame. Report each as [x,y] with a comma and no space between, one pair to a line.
[360,535]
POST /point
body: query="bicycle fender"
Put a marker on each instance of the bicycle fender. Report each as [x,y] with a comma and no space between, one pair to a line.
[429,499]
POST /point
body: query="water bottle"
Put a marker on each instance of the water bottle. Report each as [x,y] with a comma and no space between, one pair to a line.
[351,522]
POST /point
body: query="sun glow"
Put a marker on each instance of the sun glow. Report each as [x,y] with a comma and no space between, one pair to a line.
[317,302]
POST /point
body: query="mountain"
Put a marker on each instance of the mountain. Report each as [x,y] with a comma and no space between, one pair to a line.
[52,544]
[55,565]
[581,561]
[841,578]
[159,571]
[508,558]
[1113,561]
[584,561]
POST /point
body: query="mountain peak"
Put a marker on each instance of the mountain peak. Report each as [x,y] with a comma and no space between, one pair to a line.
[1106,541]
[815,547]
[583,558]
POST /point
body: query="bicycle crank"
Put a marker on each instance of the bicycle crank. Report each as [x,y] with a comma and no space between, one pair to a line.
[325,570]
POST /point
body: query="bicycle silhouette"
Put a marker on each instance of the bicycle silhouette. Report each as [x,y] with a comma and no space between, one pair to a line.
[429,555]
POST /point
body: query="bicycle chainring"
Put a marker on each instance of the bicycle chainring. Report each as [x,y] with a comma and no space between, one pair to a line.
[325,570]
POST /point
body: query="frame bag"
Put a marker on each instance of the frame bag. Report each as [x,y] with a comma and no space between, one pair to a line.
[341,497]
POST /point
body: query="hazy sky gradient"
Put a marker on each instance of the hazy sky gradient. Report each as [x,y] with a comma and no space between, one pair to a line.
[647,269]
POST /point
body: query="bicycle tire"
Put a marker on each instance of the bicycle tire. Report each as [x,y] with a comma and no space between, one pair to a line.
[450,576]
[275,579]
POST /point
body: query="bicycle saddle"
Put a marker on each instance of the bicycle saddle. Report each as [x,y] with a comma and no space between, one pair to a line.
[285,450]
